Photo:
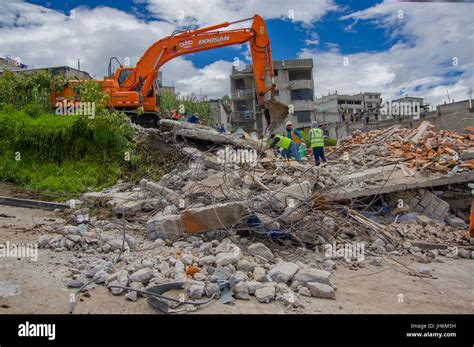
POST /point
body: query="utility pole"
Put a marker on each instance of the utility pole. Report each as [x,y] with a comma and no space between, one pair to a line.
[470,97]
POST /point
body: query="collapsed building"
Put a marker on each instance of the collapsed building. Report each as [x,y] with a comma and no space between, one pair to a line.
[229,226]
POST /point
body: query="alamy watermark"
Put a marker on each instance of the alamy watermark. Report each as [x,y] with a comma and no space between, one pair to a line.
[350,252]
[37,330]
[26,250]
[401,108]
[237,156]
[78,108]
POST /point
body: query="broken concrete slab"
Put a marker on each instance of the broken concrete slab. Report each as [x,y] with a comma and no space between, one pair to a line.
[167,193]
[165,227]
[260,250]
[287,196]
[205,133]
[283,271]
[196,220]
[220,186]
[213,217]
[265,294]
[396,182]
[307,275]
[367,174]
[321,290]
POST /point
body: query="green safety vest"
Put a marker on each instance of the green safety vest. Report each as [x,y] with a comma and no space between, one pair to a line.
[317,137]
[284,142]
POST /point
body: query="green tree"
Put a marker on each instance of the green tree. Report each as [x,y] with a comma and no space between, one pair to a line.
[186,105]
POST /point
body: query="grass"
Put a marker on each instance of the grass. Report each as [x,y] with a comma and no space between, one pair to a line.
[61,154]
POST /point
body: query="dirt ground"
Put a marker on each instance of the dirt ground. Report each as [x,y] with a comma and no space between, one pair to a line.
[37,287]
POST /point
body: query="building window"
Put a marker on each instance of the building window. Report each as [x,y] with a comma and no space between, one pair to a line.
[294,75]
[302,116]
[239,83]
[302,94]
[340,102]
[357,102]
[277,93]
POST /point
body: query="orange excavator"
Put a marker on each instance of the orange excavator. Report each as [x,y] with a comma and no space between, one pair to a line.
[134,88]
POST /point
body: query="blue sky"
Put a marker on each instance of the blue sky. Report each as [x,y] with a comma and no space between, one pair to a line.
[330,30]
[392,47]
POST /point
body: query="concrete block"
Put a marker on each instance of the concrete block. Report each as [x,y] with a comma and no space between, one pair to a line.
[426,198]
[320,290]
[165,227]
[307,275]
[214,217]
[283,271]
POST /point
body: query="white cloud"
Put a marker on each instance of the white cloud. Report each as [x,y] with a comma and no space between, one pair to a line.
[437,33]
[43,37]
[212,80]
[210,12]
[313,40]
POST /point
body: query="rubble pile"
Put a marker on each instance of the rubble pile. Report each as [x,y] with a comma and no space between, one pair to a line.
[419,149]
[230,225]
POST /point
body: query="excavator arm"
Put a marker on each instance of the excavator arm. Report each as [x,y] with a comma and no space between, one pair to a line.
[193,41]
[142,77]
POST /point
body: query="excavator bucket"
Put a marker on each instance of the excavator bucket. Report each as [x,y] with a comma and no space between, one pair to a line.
[275,113]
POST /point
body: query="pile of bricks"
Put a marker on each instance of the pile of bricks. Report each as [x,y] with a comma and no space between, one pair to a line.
[423,148]
[421,201]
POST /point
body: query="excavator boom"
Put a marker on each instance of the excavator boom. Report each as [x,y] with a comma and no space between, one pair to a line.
[134,87]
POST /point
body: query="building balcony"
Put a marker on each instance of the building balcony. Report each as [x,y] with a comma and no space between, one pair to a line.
[242,116]
[243,94]
[302,105]
[301,84]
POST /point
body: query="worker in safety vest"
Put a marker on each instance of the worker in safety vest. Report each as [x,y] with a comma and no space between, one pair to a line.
[316,139]
[292,133]
[287,145]
[175,115]
[194,118]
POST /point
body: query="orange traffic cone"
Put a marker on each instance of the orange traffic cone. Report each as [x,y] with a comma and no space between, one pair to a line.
[471,224]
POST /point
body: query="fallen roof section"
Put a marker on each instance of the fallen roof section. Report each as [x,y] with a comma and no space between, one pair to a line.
[392,179]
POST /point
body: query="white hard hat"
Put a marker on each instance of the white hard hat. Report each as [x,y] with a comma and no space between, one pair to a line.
[289,123]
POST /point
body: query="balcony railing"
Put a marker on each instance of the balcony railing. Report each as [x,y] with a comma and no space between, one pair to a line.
[243,93]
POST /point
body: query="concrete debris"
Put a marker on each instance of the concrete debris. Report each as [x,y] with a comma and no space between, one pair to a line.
[200,132]
[321,290]
[456,222]
[265,294]
[306,275]
[283,271]
[270,229]
[259,249]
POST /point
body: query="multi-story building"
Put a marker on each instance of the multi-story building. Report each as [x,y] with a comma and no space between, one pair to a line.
[163,88]
[11,64]
[65,72]
[408,106]
[294,87]
[329,108]
[219,112]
